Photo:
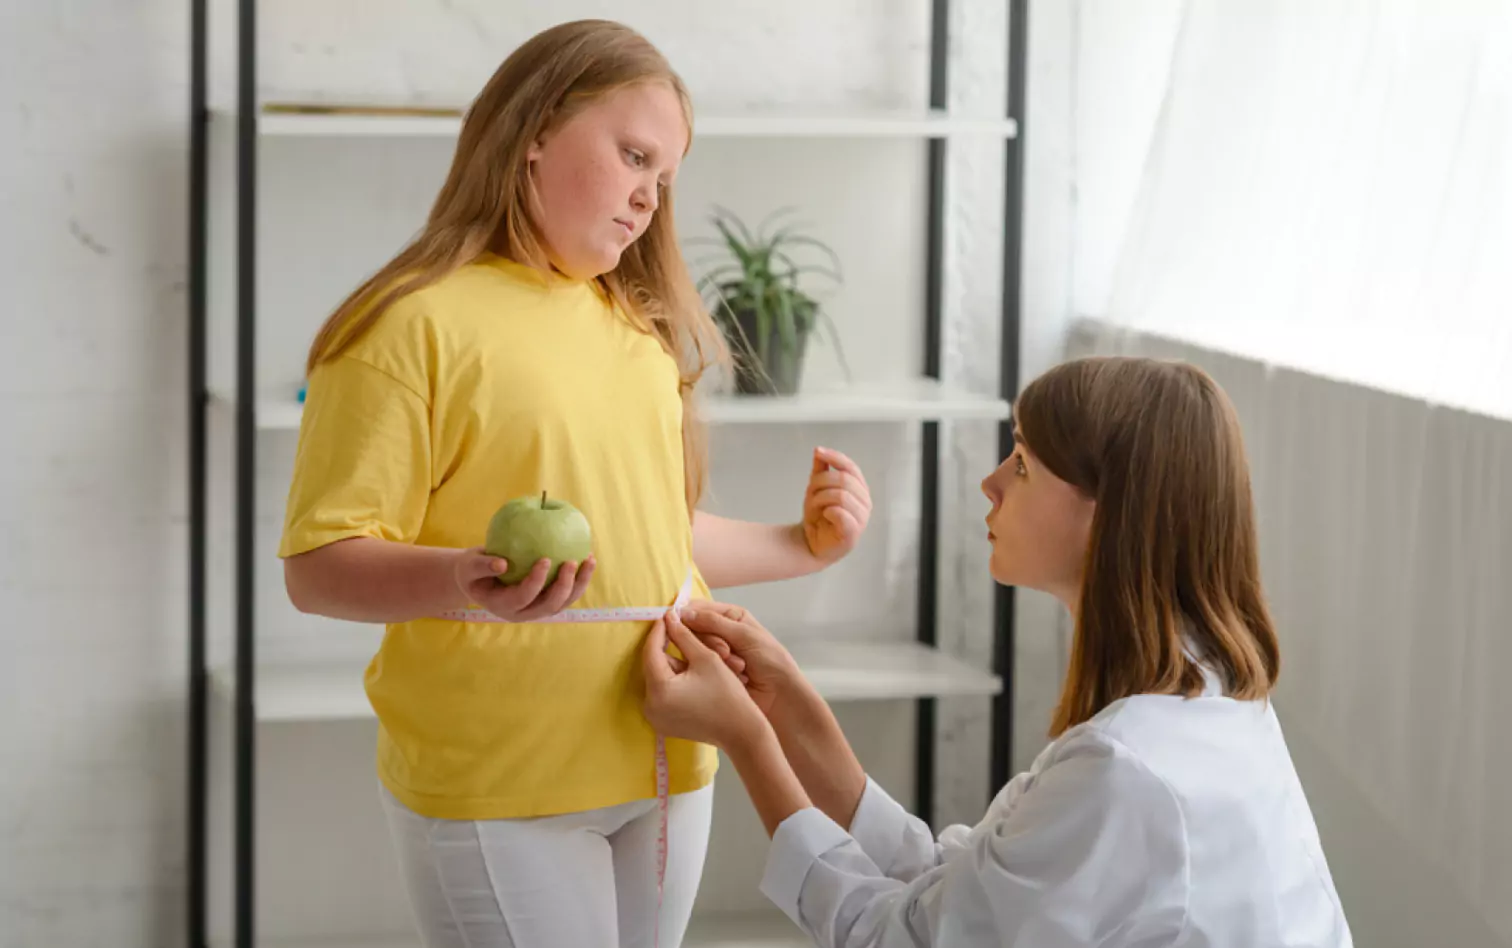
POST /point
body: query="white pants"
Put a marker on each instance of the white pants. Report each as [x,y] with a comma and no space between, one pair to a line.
[581,880]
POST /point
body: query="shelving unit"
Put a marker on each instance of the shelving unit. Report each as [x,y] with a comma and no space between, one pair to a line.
[923,399]
[343,120]
[844,670]
[841,671]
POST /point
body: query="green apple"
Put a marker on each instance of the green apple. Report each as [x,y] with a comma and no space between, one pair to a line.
[528,529]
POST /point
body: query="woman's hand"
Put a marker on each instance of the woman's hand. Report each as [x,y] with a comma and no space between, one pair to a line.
[813,747]
[697,698]
[722,649]
[769,670]
[476,574]
[836,506]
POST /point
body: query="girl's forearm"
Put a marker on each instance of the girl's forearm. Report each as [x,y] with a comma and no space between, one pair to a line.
[739,552]
[365,579]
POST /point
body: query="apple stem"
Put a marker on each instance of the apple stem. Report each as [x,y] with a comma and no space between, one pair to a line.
[543,498]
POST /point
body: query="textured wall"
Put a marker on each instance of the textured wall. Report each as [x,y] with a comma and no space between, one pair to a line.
[91,370]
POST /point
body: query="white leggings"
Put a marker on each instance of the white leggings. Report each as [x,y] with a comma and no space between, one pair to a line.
[581,880]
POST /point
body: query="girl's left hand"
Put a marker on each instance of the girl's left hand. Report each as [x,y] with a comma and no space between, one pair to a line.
[836,506]
[697,698]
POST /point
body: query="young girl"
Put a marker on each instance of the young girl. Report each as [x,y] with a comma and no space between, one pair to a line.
[541,334]
[1166,811]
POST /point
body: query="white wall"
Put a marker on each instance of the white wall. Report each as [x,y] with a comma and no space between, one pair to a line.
[92,533]
[92,221]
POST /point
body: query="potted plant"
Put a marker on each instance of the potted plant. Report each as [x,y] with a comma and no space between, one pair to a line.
[755,296]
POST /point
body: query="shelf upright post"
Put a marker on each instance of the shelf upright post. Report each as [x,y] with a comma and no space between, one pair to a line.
[1004,639]
[934,299]
[246,445]
[198,730]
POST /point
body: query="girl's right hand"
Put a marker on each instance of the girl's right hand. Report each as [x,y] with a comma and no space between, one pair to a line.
[476,574]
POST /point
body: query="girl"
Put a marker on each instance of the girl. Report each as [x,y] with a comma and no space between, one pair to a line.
[541,334]
[1165,812]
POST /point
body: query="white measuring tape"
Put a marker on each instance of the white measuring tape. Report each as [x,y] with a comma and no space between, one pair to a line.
[627,614]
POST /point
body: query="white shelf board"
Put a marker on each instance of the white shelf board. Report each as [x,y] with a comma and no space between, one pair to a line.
[842,671]
[317,691]
[915,400]
[769,929]
[372,122]
[273,415]
[865,671]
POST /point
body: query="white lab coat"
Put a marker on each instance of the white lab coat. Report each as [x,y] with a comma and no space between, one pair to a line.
[1161,821]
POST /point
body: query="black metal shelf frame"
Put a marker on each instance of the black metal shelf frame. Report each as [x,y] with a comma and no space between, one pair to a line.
[245,439]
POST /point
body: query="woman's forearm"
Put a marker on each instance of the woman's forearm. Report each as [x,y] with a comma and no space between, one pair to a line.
[739,552]
[819,754]
[774,789]
[365,579]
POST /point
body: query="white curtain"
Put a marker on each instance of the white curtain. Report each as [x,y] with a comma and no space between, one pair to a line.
[1324,221]
[1328,187]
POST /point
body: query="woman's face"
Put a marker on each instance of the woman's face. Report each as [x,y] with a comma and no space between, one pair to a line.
[1039,526]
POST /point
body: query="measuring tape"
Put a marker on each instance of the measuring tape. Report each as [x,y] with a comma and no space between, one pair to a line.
[628,614]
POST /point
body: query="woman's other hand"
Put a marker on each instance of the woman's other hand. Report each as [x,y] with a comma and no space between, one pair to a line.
[697,697]
[769,670]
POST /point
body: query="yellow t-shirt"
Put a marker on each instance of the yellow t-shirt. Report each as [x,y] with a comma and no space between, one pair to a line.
[496,382]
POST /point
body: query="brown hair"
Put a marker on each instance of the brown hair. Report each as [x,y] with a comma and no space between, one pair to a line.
[1173,556]
[484,206]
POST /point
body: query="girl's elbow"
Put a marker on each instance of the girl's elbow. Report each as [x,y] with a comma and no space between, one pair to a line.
[299,585]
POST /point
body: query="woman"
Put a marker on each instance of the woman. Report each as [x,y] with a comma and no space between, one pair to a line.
[1166,811]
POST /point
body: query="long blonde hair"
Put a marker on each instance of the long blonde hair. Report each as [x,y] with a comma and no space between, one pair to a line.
[1174,554]
[484,206]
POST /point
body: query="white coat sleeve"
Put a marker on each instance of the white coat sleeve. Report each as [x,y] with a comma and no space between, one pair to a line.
[1093,851]
[901,844]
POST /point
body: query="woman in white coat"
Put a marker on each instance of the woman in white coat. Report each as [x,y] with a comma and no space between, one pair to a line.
[1166,810]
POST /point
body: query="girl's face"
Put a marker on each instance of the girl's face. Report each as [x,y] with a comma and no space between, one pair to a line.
[599,176]
[1039,527]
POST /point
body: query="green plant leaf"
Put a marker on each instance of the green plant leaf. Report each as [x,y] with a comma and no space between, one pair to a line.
[739,250]
[797,269]
[800,240]
[725,216]
[763,317]
[787,323]
[787,232]
[763,233]
[723,272]
[757,278]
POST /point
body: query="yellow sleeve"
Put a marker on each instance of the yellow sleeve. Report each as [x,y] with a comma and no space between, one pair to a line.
[362,467]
